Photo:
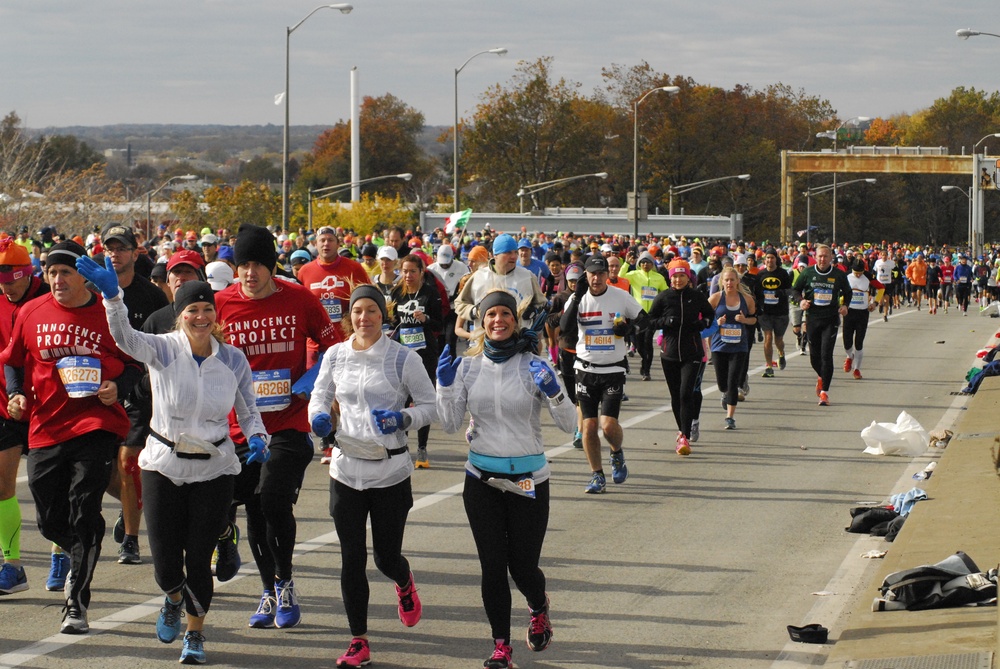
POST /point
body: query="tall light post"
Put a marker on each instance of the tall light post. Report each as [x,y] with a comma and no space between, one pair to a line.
[832,134]
[330,191]
[969,222]
[966,33]
[150,194]
[978,208]
[344,9]
[498,51]
[669,90]
[531,189]
[685,188]
[811,192]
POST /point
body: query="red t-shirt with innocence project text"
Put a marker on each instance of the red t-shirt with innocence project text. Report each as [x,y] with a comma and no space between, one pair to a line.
[46,332]
[272,332]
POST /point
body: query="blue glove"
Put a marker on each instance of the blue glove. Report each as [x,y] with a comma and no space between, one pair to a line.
[387,422]
[322,425]
[544,378]
[447,368]
[258,450]
[105,278]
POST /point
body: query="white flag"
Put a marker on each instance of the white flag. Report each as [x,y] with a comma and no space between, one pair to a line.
[279,97]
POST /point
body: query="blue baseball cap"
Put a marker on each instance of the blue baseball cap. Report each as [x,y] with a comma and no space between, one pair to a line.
[504,244]
[524,243]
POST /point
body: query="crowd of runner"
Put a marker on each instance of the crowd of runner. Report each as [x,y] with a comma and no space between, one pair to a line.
[351,342]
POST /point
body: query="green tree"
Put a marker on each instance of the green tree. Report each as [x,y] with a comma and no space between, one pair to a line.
[65,152]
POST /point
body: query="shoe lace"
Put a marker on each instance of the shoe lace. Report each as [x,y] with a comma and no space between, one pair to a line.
[171,614]
[72,610]
[539,623]
[194,641]
[502,651]
[286,598]
[356,648]
[267,604]
[406,598]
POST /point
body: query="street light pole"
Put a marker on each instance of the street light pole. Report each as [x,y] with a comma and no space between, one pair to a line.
[498,51]
[531,189]
[344,9]
[149,199]
[329,191]
[685,188]
[809,193]
[669,90]
[856,119]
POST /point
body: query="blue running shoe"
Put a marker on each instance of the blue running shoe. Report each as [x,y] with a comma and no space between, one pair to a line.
[578,440]
[264,617]
[194,648]
[619,470]
[168,625]
[597,484]
[12,579]
[58,572]
[288,613]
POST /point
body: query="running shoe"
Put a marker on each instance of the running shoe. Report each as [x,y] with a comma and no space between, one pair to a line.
[885,318]
[730,423]
[857,374]
[746,387]
[781,362]
[327,455]
[12,579]
[768,373]
[645,377]
[597,484]
[264,617]
[409,603]
[848,363]
[74,618]
[194,648]
[168,625]
[725,405]
[58,572]
[539,629]
[619,470]
[819,386]
[288,613]
[741,396]
[824,399]
[683,446]
[695,430]
[501,658]
[578,439]
[119,531]
[128,552]
[421,461]
[227,555]
[358,654]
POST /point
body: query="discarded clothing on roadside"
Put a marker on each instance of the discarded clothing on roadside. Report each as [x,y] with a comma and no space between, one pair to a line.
[904,437]
[955,581]
[871,520]
[903,502]
[992,369]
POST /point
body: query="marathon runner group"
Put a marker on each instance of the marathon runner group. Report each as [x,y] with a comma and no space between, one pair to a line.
[109,341]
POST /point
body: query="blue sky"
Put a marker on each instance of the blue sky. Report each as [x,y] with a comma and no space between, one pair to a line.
[222,61]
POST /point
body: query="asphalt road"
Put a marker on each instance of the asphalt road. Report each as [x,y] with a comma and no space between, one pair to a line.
[693,562]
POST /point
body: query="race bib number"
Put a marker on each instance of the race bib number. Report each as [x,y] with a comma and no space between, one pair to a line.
[859,299]
[412,338]
[527,485]
[648,292]
[822,296]
[731,334]
[273,388]
[599,339]
[80,375]
[334,309]
[770,297]
[963,279]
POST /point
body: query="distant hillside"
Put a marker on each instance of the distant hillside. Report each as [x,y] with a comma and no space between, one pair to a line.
[233,140]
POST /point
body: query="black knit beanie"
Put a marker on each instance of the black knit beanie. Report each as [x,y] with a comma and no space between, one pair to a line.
[257,244]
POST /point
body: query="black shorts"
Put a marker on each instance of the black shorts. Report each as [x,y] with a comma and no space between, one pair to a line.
[600,394]
[933,288]
[13,434]
[776,323]
[139,414]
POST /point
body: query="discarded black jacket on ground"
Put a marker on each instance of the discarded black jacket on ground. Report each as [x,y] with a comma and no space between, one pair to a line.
[955,581]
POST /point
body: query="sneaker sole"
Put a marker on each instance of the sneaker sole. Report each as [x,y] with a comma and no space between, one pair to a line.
[74,630]
[191,659]
[20,587]
[421,465]
[261,624]
[684,450]
[129,560]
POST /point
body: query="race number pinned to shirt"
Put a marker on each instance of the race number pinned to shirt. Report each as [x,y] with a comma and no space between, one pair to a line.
[731,333]
[334,308]
[599,339]
[273,388]
[859,299]
[80,375]
[822,296]
[649,292]
[412,338]
[770,297]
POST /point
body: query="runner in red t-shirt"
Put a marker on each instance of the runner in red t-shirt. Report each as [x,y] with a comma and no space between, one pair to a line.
[76,376]
[270,320]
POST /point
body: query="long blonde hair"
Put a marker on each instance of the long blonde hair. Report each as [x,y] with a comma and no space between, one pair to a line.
[740,286]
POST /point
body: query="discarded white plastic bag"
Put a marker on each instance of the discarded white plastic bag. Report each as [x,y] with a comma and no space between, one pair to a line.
[904,437]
